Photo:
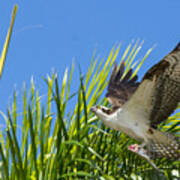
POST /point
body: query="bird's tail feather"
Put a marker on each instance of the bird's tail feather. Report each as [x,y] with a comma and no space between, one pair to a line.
[163,144]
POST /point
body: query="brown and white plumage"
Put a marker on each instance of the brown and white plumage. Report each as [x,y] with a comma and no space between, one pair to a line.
[137,108]
[120,90]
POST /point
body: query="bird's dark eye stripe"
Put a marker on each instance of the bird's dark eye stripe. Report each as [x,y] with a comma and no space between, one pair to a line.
[108,111]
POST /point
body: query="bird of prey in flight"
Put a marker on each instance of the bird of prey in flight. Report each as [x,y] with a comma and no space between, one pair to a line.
[137,108]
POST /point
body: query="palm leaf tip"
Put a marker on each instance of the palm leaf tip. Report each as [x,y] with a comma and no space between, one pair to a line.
[6,44]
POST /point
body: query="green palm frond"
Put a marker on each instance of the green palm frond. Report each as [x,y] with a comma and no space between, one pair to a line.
[6,44]
[58,141]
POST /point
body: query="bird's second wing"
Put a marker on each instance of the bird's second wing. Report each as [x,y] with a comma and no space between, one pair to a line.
[159,92]
[162,144]
[121,89]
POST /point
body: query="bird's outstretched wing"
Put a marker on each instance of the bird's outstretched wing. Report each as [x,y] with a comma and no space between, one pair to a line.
[159,92]
[160,145]
[120,90]
[163,144]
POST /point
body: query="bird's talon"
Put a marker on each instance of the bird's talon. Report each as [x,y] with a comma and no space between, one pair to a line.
[133,148]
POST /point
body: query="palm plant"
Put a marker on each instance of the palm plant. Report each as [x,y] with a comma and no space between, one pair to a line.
[58,141]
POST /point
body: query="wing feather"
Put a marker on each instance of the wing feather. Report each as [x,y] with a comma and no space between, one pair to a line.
[120,90]
[159,92]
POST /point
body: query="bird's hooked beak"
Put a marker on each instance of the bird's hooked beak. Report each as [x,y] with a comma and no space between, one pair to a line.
[94,109]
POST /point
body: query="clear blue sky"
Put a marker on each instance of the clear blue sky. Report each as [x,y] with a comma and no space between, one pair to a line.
[49,34]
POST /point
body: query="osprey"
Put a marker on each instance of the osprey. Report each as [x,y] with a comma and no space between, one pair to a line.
[137,108]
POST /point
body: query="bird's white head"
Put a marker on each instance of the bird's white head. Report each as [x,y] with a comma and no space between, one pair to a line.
[106,115]
[101,112]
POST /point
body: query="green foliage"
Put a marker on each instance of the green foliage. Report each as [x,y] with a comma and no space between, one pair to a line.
[57,141]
